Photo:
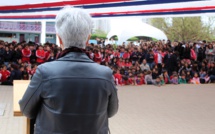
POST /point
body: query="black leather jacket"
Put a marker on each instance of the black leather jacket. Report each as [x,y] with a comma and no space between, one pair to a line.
[72,95]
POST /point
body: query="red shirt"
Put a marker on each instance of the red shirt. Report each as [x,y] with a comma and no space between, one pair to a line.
[47,55]
[142,79]
[140,82]
[26,53]
[33,71]
[97,57]
[116,54]
[40,56]
[119,77]
[156,57]
[28,70]
[120,64]
[128,64]
[130,81]
[193,54]
[126,56]
[107,51]
[5,75]
[166,80]
[107,59]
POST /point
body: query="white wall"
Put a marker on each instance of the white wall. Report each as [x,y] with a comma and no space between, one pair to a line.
[9,39]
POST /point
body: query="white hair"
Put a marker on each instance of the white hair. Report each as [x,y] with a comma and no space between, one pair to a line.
[73,26]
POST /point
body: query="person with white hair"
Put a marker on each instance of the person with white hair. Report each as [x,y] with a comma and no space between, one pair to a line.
[72,95]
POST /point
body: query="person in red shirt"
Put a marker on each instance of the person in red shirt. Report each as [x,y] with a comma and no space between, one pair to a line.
[131,79]
[126,55]
[158,59]
[97,56]
[130,51]
[91,54]
[127,63]
[117,54]
[40,54]
[107,58]
[118,78]
[123,63]
[106,51]
[4,74]
[26,53]
[120,63]
[139,81]
[47,53]
[28,69]
[33,70]
[142,78]
[166,77]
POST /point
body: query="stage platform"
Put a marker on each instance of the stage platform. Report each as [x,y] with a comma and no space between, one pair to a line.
[171,109]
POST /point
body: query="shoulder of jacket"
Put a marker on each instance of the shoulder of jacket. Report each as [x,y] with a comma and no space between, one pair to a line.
[105,69]
[106,72]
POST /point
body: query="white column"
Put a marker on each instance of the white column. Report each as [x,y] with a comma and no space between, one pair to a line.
[57,40]
[43,32]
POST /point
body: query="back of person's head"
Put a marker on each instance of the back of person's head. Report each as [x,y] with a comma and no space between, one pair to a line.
[204,41]
[1,42]
[149,72]
[14,66]
[73,26]
[183,75]
[158,78]
[175,75]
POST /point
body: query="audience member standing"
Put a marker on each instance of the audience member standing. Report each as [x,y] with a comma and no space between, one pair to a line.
[210,53]
[2,52]
[26,53]
[40,54]
[150,59]
[201,53]
[5,75]
[7,56]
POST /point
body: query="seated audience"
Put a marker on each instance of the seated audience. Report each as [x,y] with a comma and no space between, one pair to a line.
[182,79]
[148,78]
[132,64]
[195,79]
[174,79]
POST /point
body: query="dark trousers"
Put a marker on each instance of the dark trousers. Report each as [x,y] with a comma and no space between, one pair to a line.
[212,78]
[159,68]
[32,125]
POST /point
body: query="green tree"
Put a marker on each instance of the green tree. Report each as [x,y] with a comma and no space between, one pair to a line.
[98,34]
[184,28]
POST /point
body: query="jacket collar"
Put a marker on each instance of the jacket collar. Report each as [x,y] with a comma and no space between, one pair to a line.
[75,56]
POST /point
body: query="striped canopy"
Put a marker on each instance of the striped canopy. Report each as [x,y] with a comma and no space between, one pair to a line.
[47,9]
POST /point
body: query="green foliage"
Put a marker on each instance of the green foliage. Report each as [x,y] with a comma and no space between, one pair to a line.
[114,46]
[133,39]
[99,34]
[115,38]
[94,36]
[153,39]
[184,28]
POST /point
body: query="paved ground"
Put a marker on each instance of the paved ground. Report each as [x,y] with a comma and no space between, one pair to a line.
[181,109]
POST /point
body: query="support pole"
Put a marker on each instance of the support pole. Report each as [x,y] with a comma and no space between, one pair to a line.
[43,32]
[57,41]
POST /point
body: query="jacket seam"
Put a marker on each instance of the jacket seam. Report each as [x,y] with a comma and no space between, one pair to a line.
[55,112]
[33,93]
[70,77]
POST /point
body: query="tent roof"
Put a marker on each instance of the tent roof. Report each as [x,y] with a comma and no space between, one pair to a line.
[47,9]
[125,29]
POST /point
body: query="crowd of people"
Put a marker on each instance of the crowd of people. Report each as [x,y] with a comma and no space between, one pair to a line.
[145,62]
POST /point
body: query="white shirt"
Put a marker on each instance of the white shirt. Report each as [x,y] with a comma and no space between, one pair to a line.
[159,58]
